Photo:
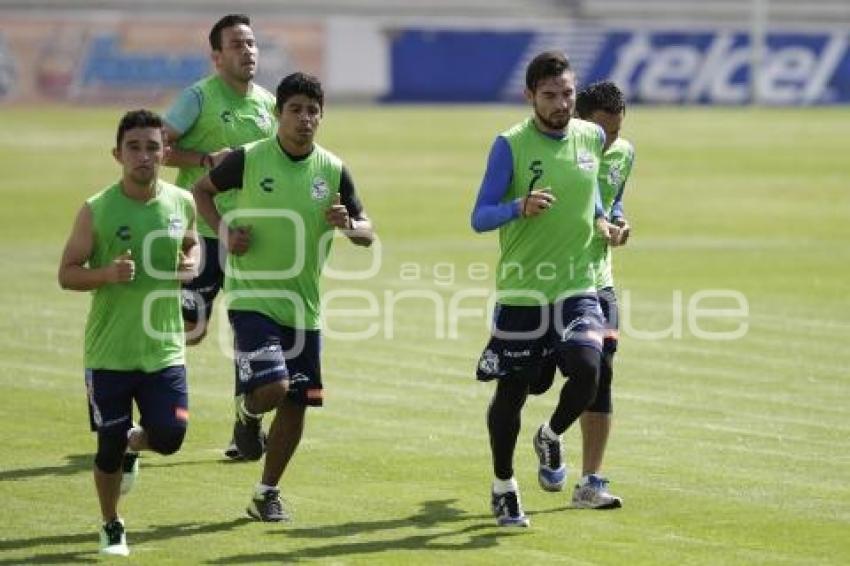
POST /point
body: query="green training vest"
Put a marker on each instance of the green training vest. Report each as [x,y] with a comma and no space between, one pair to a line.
[547,257]
[116,337]
[227,119]
[284,202]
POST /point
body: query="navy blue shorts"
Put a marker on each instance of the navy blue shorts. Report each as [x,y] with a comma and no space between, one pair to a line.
[267,352]
[524,336]
[199,293]
[540,380]
[161,396]
[611,312]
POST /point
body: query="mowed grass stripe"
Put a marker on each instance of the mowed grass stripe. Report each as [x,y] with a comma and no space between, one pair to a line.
[721,450]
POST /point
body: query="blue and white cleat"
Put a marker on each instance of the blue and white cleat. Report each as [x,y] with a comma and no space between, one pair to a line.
[508,510]
[551,473]
[592,493]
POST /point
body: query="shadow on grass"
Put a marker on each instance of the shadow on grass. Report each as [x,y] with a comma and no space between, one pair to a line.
[74,464]
[437,513]
[77,463]
[155,533]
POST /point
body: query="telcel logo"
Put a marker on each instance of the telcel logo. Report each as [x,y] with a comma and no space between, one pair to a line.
[675,68]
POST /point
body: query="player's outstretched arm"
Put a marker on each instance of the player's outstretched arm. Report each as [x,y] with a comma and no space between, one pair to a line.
[73,273]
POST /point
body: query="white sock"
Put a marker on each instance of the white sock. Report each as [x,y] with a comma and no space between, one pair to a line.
[504,486]
[548,433]
[262,488]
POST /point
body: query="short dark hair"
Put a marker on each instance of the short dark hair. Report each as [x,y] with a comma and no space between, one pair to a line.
[137,119]
[227,21]
[299,83]
[604,95]
[545,65]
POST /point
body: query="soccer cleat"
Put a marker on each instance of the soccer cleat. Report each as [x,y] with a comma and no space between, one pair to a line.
[248,436]
[267,507]
[113,539]
[130,471]
[508,510]
[551,473]
[232,452]
[592,493]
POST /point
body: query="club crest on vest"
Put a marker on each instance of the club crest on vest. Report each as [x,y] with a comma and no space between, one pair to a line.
[175,226]
[263,119]
[615,176]
[319,189]
[585,160]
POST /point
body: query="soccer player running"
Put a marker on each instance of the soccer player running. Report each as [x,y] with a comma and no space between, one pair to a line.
[602,103]
[289,194]
[540,189]
[207,121]
[131,244]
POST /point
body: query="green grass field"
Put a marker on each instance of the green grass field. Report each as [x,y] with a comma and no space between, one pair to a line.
[725,452]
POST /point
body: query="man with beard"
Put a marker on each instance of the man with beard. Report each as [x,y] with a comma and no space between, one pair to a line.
[131,245]
[207,121]
[540,190]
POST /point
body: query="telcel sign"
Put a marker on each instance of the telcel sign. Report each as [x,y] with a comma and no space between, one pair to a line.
[714,67]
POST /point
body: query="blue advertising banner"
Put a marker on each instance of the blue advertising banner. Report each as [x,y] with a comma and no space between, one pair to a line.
[651,66]
[107,64]
[454,66]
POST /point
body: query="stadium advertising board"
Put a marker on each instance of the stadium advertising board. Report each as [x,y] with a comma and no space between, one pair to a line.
[652,66]
[145,59]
